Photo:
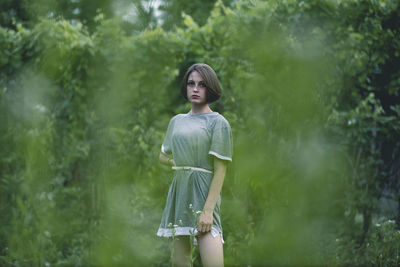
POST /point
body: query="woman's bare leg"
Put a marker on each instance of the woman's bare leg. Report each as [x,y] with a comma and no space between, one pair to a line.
[181,255]
[211,250]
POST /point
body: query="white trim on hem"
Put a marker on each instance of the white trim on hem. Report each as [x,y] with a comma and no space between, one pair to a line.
[167,232]
[219,156]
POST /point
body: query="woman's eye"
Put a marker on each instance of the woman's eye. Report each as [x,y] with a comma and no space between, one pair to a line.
[199,85]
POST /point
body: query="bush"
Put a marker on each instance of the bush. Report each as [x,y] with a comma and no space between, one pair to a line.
[310,90]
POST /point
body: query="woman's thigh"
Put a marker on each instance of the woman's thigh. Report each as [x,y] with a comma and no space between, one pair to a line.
[211,250]
[181,250]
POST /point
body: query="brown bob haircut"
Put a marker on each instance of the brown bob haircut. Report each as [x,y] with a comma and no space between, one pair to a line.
[209,78]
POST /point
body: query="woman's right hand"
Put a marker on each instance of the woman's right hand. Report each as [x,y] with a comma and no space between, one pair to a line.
[166,159]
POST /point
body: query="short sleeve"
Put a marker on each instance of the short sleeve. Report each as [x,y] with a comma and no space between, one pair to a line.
[166,145]
[221,140]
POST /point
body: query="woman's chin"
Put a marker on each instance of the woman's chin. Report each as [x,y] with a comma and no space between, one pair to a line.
[197,101]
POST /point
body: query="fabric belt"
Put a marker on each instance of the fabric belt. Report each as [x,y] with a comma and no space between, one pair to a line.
[190,168]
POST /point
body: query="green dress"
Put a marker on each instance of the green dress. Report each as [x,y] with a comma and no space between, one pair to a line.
[193,140]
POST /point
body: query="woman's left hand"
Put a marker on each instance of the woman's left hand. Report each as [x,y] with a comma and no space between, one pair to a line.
[205,222]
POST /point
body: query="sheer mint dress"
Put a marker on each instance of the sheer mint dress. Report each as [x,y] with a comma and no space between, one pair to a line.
[193,140]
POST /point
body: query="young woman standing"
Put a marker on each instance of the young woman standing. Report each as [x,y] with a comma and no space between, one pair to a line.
[198,146]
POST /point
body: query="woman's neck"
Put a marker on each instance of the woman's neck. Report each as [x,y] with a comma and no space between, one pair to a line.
[196,109]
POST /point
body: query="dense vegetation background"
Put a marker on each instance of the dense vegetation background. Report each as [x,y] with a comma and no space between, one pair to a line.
[312,92]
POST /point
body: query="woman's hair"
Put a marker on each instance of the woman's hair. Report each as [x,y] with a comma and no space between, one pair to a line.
[209,78]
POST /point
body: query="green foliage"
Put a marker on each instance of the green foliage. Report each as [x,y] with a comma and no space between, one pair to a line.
[29,13]
[198,10]
[311,90]
[380,249]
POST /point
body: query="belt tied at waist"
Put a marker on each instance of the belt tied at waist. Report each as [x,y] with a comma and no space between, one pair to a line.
[190,168]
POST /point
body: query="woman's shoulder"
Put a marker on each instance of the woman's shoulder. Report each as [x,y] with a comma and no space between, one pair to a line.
[220,120]
[176,117]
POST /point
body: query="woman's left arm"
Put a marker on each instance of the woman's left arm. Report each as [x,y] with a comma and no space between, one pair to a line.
[206,217]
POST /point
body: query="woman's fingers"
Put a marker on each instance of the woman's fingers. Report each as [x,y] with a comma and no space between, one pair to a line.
[205,222]
[204,228]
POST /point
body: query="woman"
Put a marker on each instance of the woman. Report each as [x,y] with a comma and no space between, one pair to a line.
[198,145]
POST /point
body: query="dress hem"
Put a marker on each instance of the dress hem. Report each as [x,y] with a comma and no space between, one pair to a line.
[168,232]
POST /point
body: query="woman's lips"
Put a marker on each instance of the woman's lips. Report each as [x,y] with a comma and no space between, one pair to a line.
[195,96]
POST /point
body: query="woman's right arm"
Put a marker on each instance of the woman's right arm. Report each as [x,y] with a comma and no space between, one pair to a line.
[166,159]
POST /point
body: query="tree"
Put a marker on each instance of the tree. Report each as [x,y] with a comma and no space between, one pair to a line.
[29,13]
[198,10]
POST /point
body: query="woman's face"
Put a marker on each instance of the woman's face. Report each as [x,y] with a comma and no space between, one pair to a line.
[196,89]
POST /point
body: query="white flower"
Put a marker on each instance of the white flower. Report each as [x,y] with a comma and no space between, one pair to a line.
[180,222]
[47,233]
[351,121]
[198,212]
[378,225]
[170,225]
[190,206]
[40,108]
[175,225]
